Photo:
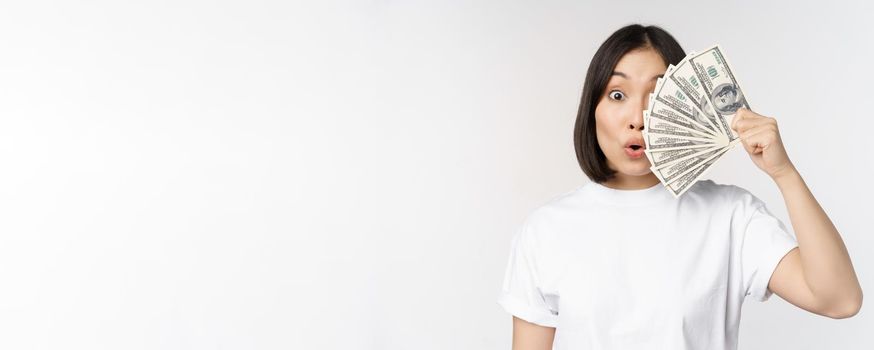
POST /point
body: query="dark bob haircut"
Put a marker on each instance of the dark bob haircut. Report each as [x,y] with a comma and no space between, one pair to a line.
[628,38]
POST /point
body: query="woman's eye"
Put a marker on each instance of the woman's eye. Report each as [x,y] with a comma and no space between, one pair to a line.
[616,95]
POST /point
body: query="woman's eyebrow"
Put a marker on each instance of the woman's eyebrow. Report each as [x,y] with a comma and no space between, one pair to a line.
[626,76]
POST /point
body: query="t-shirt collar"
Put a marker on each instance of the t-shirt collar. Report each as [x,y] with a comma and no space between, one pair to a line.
[627,197]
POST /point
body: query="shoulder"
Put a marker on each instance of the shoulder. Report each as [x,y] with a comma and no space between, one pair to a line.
[556,205]
[725,193]
[551,212]
[735,201]
[710,190]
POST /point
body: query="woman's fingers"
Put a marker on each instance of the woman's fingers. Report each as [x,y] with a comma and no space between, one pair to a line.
[748,120]
[756,139]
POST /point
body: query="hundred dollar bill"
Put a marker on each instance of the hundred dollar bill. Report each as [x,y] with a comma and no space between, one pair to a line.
[672,171]
[678,187]
[661,158]
[657,142]
[720,85]
[657,125]
[663,111]
[684,78]
[671,94]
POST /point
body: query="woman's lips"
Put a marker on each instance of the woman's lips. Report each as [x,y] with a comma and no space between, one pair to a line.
[634,154]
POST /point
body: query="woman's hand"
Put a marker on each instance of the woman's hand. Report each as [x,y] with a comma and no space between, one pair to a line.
[761,139]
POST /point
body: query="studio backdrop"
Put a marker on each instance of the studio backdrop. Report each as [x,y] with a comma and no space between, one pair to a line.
[348,174]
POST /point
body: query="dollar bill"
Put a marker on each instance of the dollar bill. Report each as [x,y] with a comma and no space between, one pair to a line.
[678,187]
[667,142]
[672,171]
[687,120]
[683,77]
[660,158]
[663,111]
[657,125]
[674,97]
[720,85]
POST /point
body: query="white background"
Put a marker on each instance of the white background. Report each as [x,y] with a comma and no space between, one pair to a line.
[326,175]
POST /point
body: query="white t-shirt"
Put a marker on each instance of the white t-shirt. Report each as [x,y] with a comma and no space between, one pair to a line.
[640,269]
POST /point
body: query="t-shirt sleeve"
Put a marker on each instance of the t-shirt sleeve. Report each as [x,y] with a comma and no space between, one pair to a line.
[765,242]
[521,294]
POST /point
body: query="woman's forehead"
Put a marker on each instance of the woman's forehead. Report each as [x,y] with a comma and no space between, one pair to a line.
[641,65]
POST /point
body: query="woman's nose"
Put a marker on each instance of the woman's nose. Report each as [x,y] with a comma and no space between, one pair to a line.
[637,121]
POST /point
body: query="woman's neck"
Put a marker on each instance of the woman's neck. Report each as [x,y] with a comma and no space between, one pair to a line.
[629,182]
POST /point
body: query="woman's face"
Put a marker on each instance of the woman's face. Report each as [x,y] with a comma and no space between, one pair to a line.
[619,113]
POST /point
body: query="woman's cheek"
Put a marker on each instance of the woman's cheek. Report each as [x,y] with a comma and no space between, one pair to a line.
[604,135]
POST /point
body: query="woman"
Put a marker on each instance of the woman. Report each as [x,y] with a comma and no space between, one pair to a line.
[618,263]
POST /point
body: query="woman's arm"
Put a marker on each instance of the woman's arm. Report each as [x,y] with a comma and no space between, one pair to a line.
[817,276]
[529,336]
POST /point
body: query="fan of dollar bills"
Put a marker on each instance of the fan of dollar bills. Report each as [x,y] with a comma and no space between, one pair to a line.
[687,122]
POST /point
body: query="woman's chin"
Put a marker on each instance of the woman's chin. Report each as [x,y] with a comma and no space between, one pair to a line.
[632,168]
